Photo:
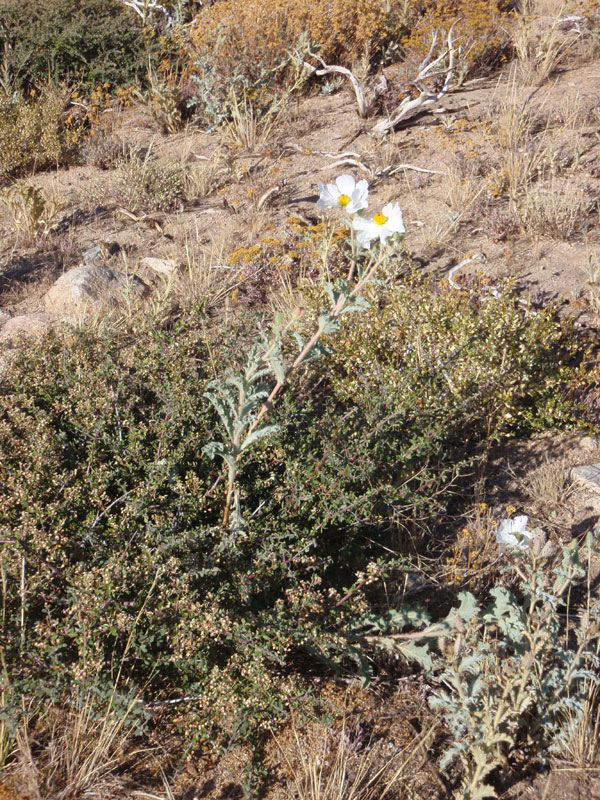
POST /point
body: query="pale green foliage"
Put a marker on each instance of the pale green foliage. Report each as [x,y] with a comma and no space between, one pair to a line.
[242,401]
[236,399]
[149,185]
[509,672]
[34,133]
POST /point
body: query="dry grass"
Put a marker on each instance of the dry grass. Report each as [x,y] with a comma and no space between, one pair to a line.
[343,766]
[557,210]
[206,279]
[549,484]
[539,154]
[584,744]
[461,190]
[251,127]
[521,136]
[540,44]
[73,751]
[202,179]
[34,213]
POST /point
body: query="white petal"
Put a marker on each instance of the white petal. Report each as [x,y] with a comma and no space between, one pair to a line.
[359,195]
[364,240]
[345,184]
[394,215]
[356,204]
[372,229]
[511,532]
[520,523]
[326,200]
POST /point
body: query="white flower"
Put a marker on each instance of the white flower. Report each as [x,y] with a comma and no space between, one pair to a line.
[514,533]
[345,194]
[381,226]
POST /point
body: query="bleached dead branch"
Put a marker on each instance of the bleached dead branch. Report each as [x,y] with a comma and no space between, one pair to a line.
[146,9]
[426,98]
[365,107]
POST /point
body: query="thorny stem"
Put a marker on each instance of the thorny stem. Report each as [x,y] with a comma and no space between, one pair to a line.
[236,442]
[269,402]
[334,313]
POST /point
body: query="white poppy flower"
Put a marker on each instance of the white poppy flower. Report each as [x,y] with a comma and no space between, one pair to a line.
[345,193]
[381,226]
[514,533]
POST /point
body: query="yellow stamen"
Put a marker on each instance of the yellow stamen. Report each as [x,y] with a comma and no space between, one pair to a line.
[343,200]
[380,219]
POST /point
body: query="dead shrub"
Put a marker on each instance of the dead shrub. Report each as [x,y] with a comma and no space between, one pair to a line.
[255,36]
[482,31]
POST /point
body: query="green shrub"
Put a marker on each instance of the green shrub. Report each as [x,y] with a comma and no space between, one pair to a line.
[479,366]
[34,134]
[110,517]
[114,559]
[90,42]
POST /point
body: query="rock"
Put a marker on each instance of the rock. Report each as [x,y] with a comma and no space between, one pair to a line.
[588,475]
[27,326]
[98,252]
[4,316]
[90,287]
[164,266]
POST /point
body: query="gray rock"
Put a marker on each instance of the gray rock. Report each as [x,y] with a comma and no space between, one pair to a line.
[92,287]
[588,475]
[26,326]
[99,252]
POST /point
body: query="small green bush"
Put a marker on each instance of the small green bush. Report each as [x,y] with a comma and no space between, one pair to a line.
[34,133]
[89,43]
[113,514]
[479,366]
[113,556]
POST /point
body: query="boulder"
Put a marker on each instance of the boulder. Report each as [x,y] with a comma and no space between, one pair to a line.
[90,287]
[28,325]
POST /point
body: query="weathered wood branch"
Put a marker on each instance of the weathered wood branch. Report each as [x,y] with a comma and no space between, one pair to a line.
[365,106]
[410,106]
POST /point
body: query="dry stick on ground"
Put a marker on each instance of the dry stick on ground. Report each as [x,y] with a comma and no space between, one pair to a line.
[426,99]
[376,173]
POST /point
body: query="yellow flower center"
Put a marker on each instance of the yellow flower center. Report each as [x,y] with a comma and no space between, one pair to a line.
[343,200]
[380,219]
